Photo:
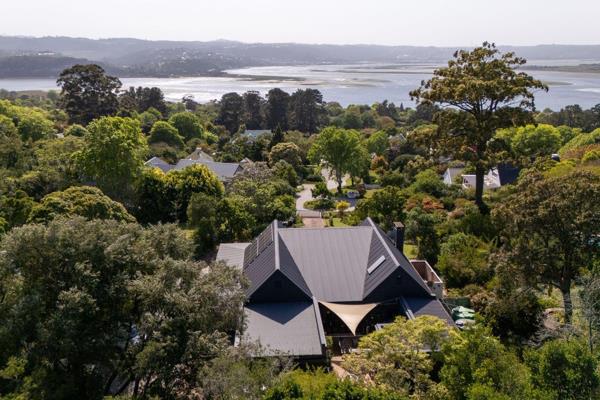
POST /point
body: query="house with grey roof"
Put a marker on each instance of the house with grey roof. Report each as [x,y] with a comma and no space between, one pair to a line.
[306,284]
[224,171]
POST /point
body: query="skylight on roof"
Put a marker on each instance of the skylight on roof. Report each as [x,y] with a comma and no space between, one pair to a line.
[376,264]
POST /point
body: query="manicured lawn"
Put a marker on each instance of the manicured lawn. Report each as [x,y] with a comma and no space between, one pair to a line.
[410,251]
[337,222]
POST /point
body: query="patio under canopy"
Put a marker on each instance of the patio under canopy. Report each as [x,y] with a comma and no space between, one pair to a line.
[350,314]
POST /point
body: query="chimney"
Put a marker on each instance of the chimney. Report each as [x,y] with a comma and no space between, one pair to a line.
[399,235]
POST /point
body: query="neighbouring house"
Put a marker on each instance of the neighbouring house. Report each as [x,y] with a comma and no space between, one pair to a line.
[224,171]
[199,154]
[503,174]
[451,175]
[309,284]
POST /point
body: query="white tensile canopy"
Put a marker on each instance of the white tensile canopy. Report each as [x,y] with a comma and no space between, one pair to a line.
[350,314]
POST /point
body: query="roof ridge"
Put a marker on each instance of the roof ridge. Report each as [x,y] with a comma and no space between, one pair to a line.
[276,243]
[323,229]
[385,244]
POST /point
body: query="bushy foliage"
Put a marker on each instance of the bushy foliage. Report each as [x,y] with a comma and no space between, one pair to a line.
[565,368]
[385,206]
[76,130]
[161,197]
[90,306]
[164,132]
[114,154]
[88,202]
[317,385]
[187,124]
[580,140]
[463,260]
[288,152]
[532,141]
[393,357]
[474,362]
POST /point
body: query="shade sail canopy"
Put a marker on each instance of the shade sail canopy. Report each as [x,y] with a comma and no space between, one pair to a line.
[350,314]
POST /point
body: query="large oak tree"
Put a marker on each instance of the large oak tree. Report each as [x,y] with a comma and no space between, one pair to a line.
[480,91]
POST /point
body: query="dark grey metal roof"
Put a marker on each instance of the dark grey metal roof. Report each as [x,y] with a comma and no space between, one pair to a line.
[427,306]
[292,328]
[332,261]
[332,264]
[232,254]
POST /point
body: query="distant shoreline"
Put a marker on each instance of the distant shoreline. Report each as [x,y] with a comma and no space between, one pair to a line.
[581,68]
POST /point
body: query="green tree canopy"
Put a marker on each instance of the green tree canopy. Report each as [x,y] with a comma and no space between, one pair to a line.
[565,368]
[114,154]
[483,93]
[187,124]
[288,152]
[85,201]
[164,132]
[550,230]
[463,260]
[230,112]
[394,357]
[378,143]
[531,140]
[88,93]
[476,363]
[385,206]
[183,183]
[76,130]
[90,307]
[305,110]
[34,126]
[338,149]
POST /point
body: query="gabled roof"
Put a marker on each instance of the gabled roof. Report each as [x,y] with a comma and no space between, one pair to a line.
[291,328]
[158,162]
[331,264]
[222,170]
[262,259]
[199,154]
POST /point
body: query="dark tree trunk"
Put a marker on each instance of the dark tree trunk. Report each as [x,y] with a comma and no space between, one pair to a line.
[479,175]
[567,303]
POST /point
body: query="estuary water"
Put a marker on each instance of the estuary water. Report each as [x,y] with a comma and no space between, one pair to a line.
[346,84]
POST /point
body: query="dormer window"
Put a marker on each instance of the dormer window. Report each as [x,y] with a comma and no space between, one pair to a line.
[375,265]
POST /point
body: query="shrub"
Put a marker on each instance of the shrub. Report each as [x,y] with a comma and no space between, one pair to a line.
[463,260]
[320,204]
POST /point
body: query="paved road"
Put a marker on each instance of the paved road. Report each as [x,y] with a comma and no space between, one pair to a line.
[303,196]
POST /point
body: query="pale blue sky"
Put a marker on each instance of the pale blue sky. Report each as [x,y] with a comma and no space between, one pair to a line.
[414,22]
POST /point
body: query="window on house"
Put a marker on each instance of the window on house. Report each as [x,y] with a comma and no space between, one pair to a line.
[375,265]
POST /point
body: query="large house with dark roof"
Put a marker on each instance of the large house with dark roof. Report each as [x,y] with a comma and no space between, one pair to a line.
[307,284]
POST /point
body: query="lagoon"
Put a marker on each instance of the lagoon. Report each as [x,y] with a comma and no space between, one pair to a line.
[346,84]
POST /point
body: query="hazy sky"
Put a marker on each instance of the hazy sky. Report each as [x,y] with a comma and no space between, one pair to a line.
[412,22]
